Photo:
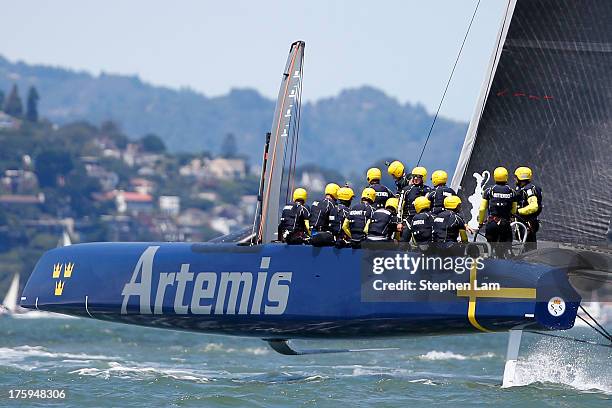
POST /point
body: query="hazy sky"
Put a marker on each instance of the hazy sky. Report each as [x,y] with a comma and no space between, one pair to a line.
[404,47]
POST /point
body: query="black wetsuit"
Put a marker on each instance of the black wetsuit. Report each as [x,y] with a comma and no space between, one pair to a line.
[382,195]
[358,216]
[292,228]
[337,217]
[446,226]
[500,198]
[320,213]
[437,195]
[422,227]
[382,225]
[531,221]
[402,182]
[410,193]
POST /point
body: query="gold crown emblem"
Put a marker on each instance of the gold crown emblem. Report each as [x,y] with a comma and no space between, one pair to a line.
[57,269]
[59,288]
[68,269]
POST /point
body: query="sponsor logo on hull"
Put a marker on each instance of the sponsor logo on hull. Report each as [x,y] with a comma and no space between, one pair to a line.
[216,293]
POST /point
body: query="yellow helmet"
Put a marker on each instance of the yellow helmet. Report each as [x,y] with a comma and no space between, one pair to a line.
[421,203]
[369,193]
[396,169]
[500,175]
[345,193]
[420,171]
[452,202]
[439,177]
[300,194]
[392,202]
[523,173]
[374,174]
[332,189]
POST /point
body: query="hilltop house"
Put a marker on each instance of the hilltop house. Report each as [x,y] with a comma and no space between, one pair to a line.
[130,201]
[8,122]
[170,205]
[218,168]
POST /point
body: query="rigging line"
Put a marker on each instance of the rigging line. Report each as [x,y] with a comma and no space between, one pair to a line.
[292,151]
[448,83]
[295,132]
[292,134]
[288,148]
[596,322]
[299,115]
[569,338]
[594,328]
[490,81]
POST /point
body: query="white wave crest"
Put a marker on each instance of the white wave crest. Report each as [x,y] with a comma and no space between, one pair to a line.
[19,353]
[449,355]
[118,370]
[258,351]
[217,347]
[424,381]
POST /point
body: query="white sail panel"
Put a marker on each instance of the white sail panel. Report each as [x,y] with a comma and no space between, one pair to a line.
[10,299]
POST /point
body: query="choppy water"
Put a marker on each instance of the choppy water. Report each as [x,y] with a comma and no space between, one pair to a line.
[105,364]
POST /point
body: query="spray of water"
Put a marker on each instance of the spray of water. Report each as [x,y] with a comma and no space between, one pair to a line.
[583,367]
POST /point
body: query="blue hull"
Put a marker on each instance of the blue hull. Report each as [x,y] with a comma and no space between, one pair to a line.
[278,291]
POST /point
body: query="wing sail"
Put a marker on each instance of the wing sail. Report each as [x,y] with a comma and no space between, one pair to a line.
[278,172]
[549,107]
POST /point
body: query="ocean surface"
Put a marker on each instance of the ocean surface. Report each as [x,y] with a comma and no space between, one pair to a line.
[115,365]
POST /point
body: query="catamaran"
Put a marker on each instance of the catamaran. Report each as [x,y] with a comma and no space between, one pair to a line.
[545,102]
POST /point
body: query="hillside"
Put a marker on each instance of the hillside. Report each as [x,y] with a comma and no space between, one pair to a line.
[348,132]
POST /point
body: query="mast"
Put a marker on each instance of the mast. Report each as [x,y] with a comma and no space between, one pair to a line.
[284,133]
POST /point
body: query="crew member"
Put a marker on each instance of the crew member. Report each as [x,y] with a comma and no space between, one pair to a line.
[384,222]
[439,192]
[358,220]
[320,212]
[497,206]
[396,170]
[529,198]
[339,214]
[382,192]
[294,228]
[449,224]
[422,223]
[415,189]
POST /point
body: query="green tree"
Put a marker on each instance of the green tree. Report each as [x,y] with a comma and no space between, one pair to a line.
[32,105]
[80,188]
[1,100]
[153,143]
[113,131]
[13,105]
[50,164]
[229,147]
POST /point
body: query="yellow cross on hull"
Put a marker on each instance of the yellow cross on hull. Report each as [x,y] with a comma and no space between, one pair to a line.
[472,294]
